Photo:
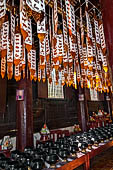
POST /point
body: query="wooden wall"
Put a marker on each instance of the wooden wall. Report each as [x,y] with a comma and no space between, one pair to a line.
[7,107]
[59,112]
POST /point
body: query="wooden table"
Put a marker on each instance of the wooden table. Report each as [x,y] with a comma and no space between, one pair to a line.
[76,163]
[100,149]
[85,159]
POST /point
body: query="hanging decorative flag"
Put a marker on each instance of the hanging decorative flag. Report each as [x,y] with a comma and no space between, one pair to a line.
[69,16]
[78,39]
[60,47]
[62,77]
[9,60]
[3,67]
[72,46]
[73,20]
[41,29]
[84,52]
[42,53]
[12,27]
[28,40]
[43,75]
[23,57]
[66,74]
[70,59]
[81,26]
[2,8]
[76,56]
[17,47]
[102,37]
[47,47]
[36,5]
[41,25]
[23,20]
[97,32]
[89,52]
[65,36]
[78,74]
[4,38]
[29,59]
[39,73]
[89,26]
[17,73]
[65,59]
[55,17]
[33,63]
[48,69]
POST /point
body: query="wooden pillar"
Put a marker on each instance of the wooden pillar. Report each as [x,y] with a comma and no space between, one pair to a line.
[109,106]
[82,109]
[107,13]
[24,115]
[3,96]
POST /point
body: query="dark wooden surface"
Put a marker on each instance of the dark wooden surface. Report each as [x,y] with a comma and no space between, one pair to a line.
[58,113]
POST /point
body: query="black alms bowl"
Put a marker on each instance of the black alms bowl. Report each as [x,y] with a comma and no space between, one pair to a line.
[51,159]
[73,149]
[64,153]
[53,150]
[40,155]
[12,165]
[49,143]
[37,164]
[15,154]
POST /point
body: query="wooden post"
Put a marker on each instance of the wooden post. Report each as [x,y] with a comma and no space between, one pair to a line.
[109,106]
[3,96]
[107,8]
[24,116]
[82,110]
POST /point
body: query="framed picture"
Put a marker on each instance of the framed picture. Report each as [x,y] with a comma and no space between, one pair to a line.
[81,97]
[20,95]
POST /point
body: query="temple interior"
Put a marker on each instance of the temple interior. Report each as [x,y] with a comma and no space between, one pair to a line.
[56,85]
